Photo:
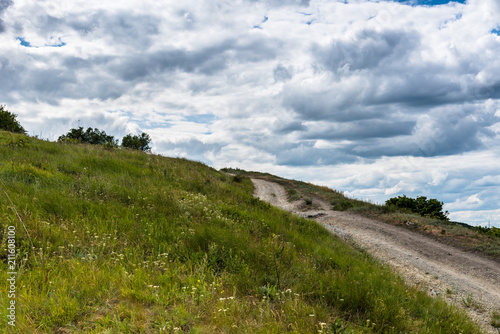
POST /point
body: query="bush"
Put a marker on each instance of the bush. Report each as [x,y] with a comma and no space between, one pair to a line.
[421,205]
[8,121]
[493,231]
[137,142]
[90,136]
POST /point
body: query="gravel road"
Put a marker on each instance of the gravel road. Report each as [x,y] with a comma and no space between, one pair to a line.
[460,277]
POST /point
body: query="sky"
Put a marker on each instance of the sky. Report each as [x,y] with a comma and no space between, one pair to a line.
[374,98]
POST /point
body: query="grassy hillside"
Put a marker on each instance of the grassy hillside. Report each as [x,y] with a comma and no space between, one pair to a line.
[119,241]
[456,234]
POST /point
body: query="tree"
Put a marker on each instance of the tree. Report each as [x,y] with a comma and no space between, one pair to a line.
[137,142]
[8,121]
[89,136]
[420,205]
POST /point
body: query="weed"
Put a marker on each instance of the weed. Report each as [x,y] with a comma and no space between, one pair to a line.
[495,319]
[467,301]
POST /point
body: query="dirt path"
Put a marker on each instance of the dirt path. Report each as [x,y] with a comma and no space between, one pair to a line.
[462,278]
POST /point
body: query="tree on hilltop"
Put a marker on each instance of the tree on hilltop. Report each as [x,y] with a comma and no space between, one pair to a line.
[89,136]
[8,121]
[137,142]
[421,205]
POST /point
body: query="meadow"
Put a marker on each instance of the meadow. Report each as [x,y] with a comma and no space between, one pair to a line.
[112,240]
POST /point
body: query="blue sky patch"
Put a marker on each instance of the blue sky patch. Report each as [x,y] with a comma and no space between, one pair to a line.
[429,2]
[201,119]
[57,43]
[496,31]
[24,42]
[263,21]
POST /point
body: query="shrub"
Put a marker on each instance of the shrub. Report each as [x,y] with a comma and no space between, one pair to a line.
[493,231]
[137,142]
[341,205]
[238,178]
[421,205]
[89,136]
[8,121]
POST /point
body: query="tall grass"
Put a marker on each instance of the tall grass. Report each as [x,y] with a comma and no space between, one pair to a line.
[128,242]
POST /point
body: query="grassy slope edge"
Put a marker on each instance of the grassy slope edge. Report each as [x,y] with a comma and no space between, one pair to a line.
[128,242]
[453,233]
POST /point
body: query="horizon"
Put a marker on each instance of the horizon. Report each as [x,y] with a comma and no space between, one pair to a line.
[374,98]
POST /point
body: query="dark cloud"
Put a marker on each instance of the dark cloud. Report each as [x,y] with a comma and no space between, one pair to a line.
[377,128]
[122,28]
[206,60]
[4,4]
[305,154]
[286,127]
[11,77]
[443,133]
[367,50]
[329,104]
[281,73]
[136,31]
[418,88]
[86,24]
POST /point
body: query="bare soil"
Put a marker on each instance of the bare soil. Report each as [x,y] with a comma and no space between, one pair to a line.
[463,279]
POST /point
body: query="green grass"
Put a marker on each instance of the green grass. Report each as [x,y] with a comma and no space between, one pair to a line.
[495,319]
[128,242]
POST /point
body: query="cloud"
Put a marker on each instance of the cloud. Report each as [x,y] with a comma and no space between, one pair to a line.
[4,4]
[367,49]
[281,73]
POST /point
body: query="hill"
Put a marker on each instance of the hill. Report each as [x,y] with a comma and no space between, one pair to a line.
[479,240]
[120,241]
